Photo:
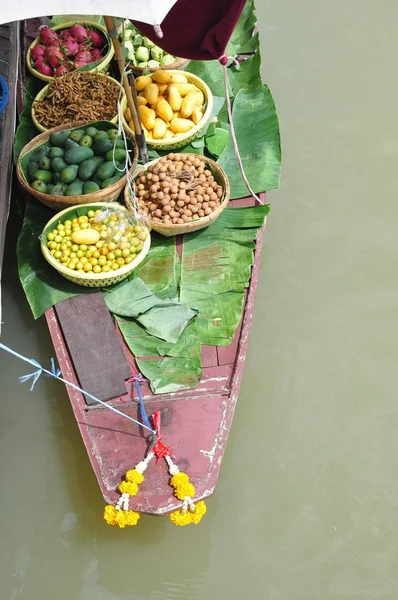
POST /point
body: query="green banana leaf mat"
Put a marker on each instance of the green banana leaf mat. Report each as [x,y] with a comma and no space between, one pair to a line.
[166,308]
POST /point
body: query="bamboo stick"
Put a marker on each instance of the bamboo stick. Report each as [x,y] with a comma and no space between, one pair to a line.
[131,94]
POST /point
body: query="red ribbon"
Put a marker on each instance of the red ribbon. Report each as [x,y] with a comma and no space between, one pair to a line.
[159,448]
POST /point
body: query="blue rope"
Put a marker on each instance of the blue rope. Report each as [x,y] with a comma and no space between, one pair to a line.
[144,416]
[56,373]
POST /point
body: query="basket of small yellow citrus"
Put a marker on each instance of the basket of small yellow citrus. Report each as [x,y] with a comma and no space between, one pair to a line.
[95,244]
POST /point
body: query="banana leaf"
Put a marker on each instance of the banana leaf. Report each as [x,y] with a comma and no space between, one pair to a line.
[257,133]
[242,39]
[142,344]
[216,142]
[215,271]
[26,129]
[180,366]
[160,269]
[42,285]
[246,76]
[165,319]
[171,374]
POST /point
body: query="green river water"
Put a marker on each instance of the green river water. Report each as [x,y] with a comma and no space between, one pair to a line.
[306,505]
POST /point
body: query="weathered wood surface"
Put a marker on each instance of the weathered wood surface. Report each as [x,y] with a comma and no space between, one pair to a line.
[94,346]
[195,422]
[9,56]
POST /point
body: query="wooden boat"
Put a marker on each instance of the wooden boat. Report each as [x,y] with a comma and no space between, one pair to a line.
[195,422]
[9,56]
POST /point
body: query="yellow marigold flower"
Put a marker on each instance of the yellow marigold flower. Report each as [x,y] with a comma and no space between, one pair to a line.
[125,518]
[110,514]
[185,489]
[179,518]
[200,510]
[121,518]
[128,488]
[131,517]
[134,476]
[179,478]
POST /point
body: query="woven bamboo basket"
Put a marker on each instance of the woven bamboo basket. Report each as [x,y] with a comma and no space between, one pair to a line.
[99,67]
[181,139]
[171,230]
[180,64]
[60,202]
[43,93]
[90,279]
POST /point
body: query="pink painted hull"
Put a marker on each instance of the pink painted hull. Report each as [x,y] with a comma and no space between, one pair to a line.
[195,422]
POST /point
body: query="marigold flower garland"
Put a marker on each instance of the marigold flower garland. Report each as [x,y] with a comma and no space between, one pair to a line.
[121,515]
[184,490]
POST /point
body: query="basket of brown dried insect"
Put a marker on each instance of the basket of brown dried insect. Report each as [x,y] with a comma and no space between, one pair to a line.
[77,96]
[180,193]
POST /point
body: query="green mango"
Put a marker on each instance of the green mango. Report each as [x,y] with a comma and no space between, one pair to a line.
[77,135]
[58,163]
[111,180]
[39,152]
[31,169]
[100,135]
[57,176]
[45,163]
[75,189]
[119,143]
[68,174]
[49,188]
[89,187]
[106,170]
[71,144]
[39,186]
[58,190]
[59,139]
[113,134]
[56,152]
[96,180]
[75,156]
[102,146]
[98,160]
[42,175]
[86,141]
[91,131]
[117,154]
[87,168]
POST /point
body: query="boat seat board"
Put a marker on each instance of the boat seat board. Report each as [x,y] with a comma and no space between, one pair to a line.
[94,346]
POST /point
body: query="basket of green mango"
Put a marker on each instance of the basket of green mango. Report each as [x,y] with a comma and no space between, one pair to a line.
[77,164]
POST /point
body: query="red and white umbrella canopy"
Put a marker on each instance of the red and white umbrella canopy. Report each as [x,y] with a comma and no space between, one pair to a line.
[147,11]
[196,30]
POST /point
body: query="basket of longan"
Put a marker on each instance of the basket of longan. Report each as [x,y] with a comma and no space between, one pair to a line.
[95,245]
[180,193]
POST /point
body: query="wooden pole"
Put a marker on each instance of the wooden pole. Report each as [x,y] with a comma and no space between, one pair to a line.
[131,94]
